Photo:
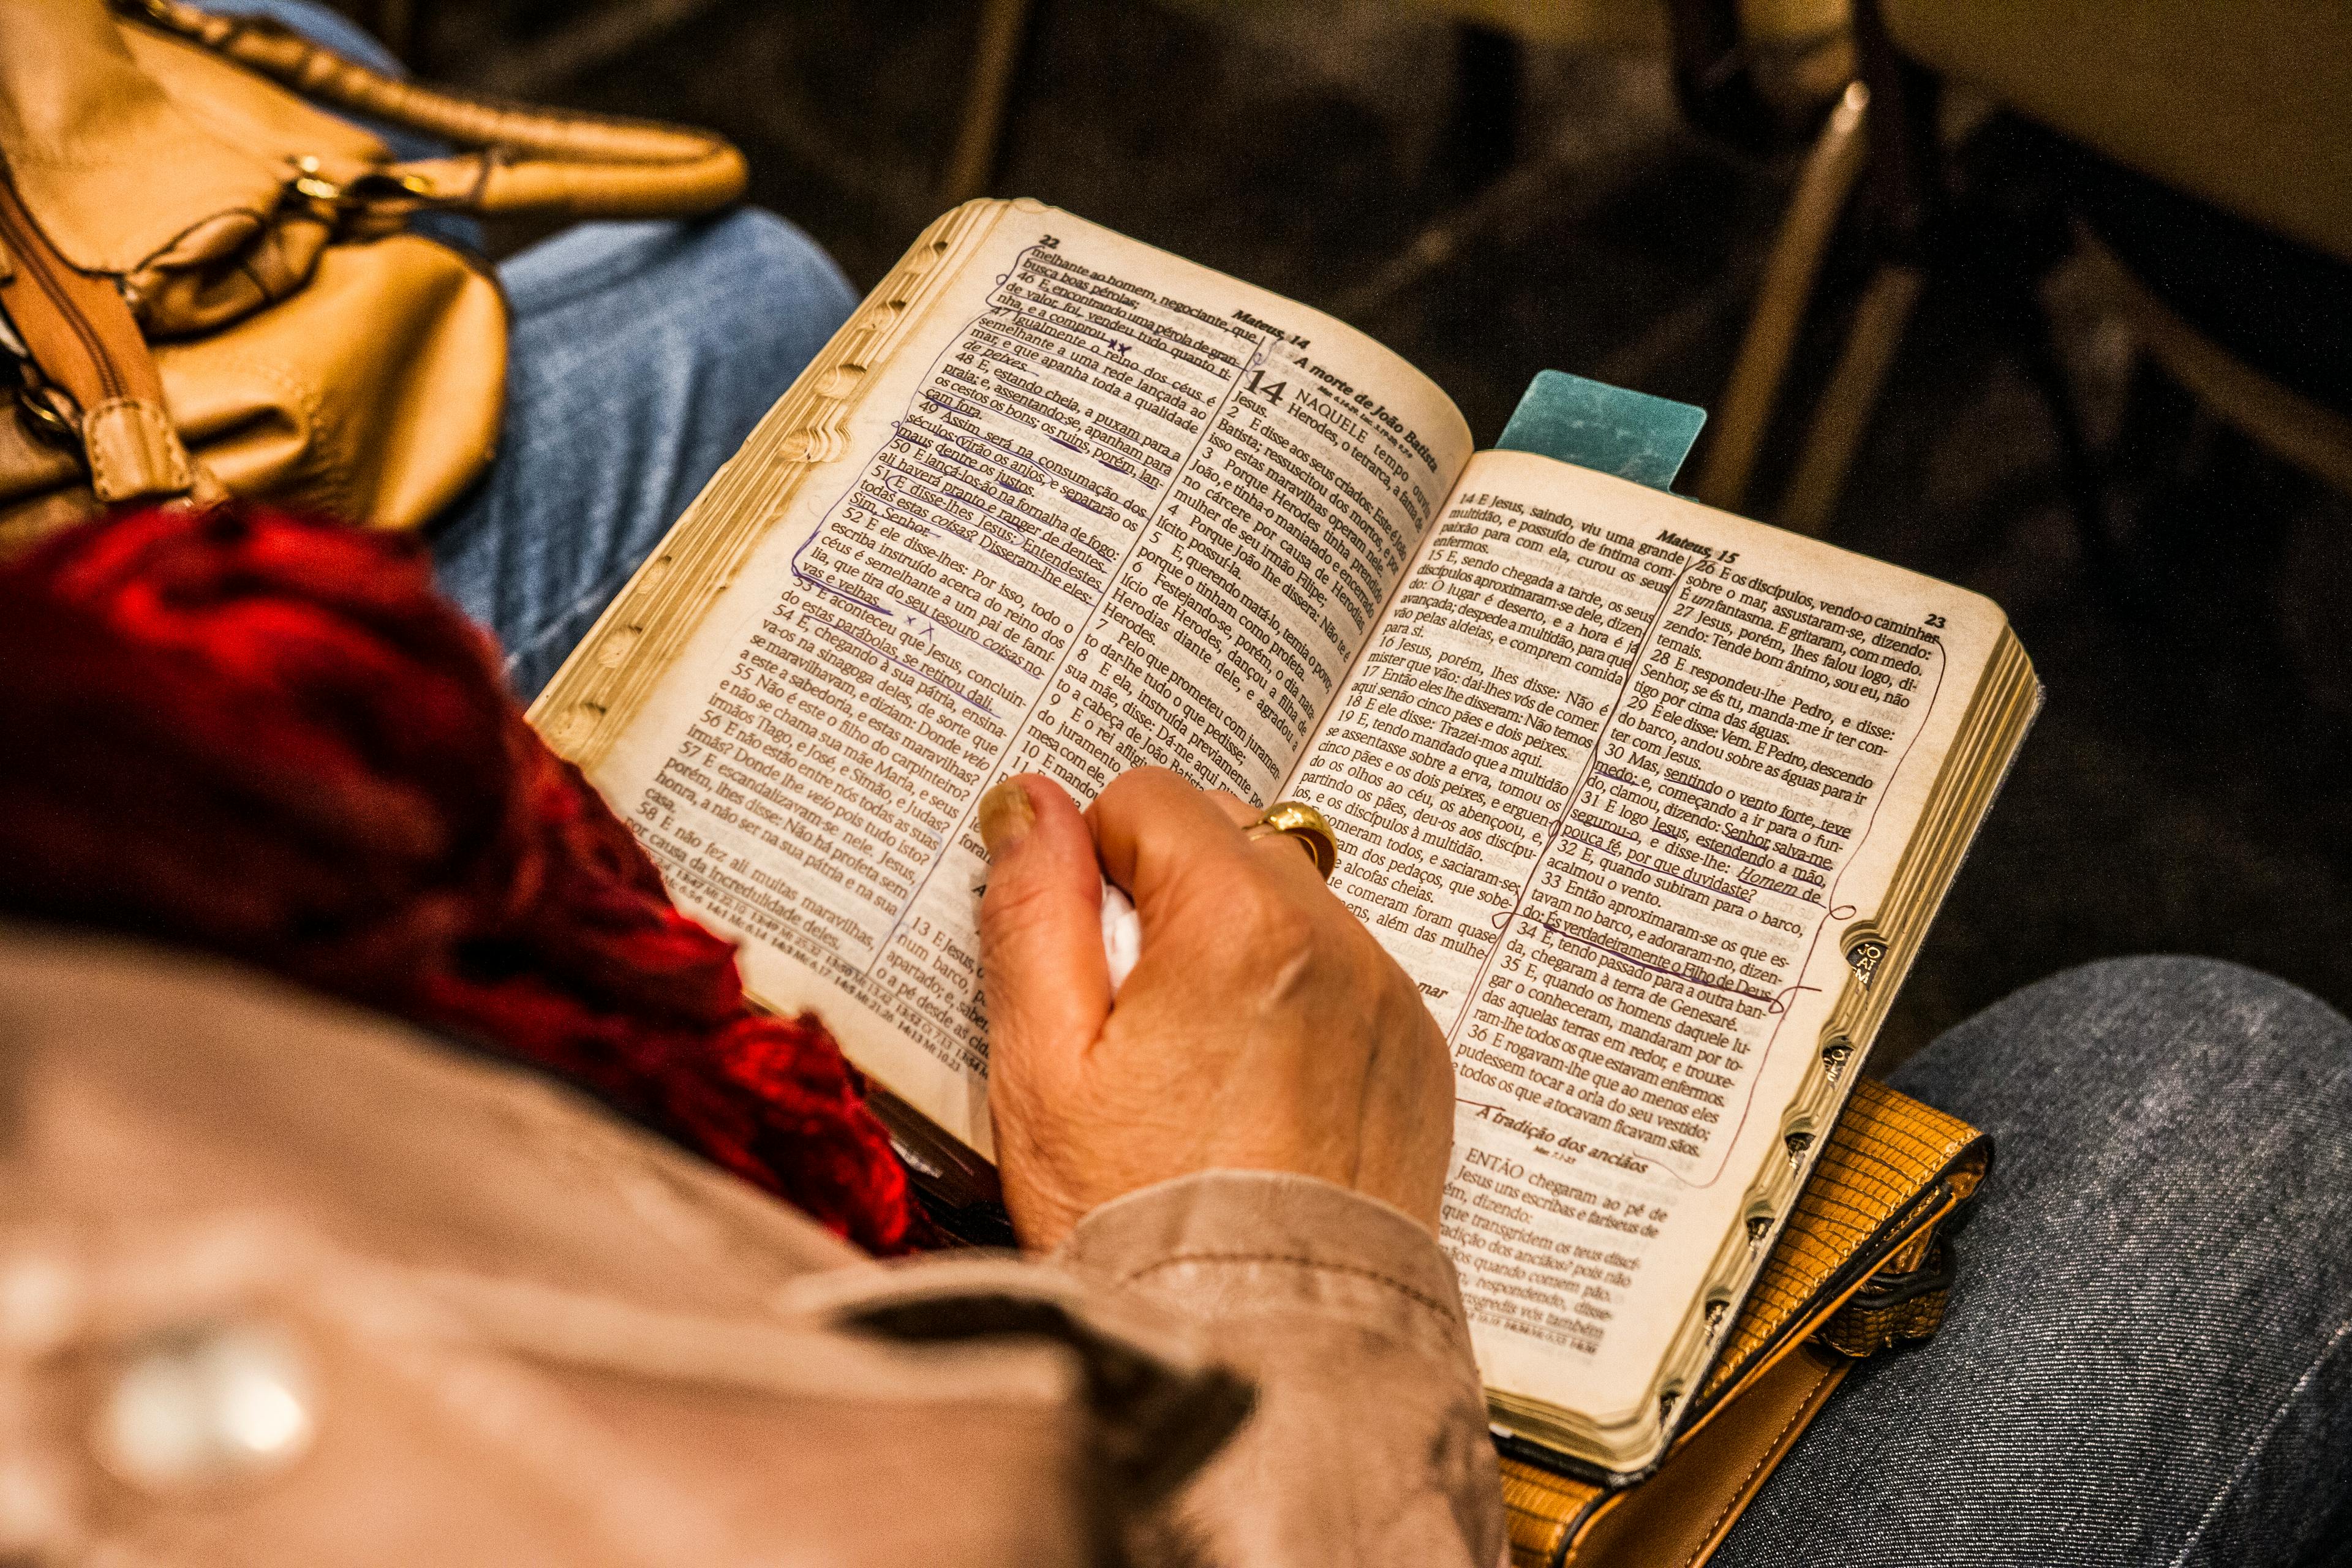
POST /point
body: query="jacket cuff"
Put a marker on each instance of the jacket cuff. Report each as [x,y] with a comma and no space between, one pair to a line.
[1224,1245]
[1370,1443]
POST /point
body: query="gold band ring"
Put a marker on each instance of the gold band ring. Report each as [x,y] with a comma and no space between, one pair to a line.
[1304,824]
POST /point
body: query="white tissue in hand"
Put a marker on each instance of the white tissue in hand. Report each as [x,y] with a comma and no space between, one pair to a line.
[1122,935]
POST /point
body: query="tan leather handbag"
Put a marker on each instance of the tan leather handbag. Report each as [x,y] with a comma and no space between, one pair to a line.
[208,283]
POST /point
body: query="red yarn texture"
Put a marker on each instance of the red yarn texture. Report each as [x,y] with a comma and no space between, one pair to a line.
[272,739]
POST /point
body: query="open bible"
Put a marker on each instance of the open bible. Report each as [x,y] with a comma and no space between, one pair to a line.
[1653,801]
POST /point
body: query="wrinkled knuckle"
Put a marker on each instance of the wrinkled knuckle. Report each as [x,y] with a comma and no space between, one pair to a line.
[1255,913]
[1408,1011]
[1366,947]
[1269,925]
[1386,977]
[1012,906]
[1113,797]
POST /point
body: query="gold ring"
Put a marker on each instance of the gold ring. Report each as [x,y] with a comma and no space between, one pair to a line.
[1305,824]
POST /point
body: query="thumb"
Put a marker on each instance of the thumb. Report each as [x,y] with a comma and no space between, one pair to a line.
[1041,955]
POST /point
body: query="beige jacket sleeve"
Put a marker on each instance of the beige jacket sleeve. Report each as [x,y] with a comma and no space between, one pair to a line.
[1368,1442]
[285,1283]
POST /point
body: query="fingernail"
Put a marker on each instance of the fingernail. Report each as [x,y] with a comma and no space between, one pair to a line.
[1005,816]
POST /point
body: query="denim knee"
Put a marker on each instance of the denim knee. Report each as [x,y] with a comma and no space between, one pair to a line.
[642,355]
[2146,1356]
[321,23]
[753,260]
[2170,1170]
[2219,1045]
[747,291]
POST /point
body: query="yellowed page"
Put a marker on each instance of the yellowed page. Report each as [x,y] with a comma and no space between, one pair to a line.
[1614,776]
[1102,508]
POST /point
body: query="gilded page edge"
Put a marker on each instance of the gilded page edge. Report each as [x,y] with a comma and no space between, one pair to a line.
[608,678]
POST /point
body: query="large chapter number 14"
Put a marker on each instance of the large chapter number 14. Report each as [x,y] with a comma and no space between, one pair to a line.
[1271,393]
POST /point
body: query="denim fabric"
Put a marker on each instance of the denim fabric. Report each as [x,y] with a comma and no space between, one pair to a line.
[329,29]
[641,356]
[2148,1353]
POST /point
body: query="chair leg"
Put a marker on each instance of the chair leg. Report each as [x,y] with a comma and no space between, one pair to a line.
[996,60]
[1790,274]
[1843,414]
[2080,471]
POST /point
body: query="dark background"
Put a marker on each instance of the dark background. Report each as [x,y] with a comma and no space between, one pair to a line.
[2183,792]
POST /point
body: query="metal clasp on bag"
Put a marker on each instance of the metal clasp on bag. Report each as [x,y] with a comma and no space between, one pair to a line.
[383,185]
[373,186]
[309,182]
[383,193]
[48,410]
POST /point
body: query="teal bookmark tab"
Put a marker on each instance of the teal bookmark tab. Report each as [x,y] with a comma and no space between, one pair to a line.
[1596,426]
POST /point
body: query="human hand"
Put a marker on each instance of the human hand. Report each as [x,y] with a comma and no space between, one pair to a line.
[1262,1028]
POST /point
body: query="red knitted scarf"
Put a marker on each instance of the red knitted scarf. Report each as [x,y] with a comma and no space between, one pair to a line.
[273,740]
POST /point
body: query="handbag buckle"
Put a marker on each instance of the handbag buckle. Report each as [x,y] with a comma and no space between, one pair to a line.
[309,181]
[47,411]
[385,191]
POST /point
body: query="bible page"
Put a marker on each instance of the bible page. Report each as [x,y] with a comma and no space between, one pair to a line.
[1101,508]
[1614,774]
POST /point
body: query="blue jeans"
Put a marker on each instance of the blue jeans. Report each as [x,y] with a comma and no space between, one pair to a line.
[641,356]
[2149,1352]
[2149,1356]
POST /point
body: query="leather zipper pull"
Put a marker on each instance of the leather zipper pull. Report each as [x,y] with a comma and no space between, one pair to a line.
[80,333]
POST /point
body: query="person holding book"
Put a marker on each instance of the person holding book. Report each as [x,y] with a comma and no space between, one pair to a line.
[2169,1141]
[283,1277]
[1250,1140]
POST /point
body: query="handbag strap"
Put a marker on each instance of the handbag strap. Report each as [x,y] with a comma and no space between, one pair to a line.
[523,160]
[84,374]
